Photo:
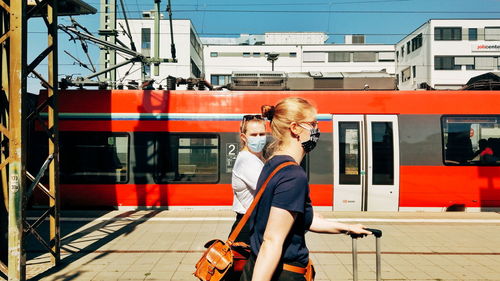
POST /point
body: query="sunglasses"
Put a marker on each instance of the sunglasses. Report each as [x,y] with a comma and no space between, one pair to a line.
[252,117]
[313,124]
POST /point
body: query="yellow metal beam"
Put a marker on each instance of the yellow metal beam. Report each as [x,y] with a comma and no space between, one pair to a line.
[5,6]
[17,179]
[4,131]
[4,37]
[55,241]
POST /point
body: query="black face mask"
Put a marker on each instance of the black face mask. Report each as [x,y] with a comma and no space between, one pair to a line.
[313,140]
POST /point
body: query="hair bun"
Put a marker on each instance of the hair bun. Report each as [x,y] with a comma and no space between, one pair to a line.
[268,111]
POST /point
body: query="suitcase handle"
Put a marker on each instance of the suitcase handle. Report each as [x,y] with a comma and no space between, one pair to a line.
[376,232]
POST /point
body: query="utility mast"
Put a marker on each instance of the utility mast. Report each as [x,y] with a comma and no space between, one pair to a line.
[108,33]
[110,44]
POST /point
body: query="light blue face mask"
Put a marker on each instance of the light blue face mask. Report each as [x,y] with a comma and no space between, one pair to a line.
[256,144]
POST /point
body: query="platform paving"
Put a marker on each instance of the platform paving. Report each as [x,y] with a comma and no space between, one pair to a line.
[165,245]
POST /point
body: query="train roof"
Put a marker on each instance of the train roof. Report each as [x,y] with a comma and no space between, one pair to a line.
[237,102]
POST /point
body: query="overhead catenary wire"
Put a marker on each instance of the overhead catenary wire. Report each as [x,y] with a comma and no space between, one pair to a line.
[333,11]
[280,4]
[320,11]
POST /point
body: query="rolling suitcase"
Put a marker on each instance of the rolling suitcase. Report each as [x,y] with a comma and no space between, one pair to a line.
[378,234]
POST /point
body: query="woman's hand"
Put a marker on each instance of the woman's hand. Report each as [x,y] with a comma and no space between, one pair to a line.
[356,229]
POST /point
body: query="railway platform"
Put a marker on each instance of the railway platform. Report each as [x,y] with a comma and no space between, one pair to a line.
[165,245]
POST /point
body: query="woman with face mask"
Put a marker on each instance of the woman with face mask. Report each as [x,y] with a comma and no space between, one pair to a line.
[284,213]
[247,167]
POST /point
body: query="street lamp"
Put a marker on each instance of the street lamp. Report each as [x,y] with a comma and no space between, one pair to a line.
[272,57]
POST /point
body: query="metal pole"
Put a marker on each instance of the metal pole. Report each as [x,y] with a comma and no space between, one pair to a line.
[354,259]
[172,44]
[378,261]
[156,65]
[17,77]
[54,204]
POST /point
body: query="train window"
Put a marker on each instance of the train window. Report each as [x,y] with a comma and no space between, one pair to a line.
[349,160]
[187,158]
[94,157]
[471,140]
[383,153]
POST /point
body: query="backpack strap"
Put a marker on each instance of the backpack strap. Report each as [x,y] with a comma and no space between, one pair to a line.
[249,212]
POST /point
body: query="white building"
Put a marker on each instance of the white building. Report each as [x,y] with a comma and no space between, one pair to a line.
[298,52]
[445,54]
[188,49]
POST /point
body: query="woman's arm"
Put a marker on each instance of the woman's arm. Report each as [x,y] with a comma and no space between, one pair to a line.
[322,225]
[279,224]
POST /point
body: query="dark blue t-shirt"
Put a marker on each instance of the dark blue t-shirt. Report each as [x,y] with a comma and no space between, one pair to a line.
[287,190]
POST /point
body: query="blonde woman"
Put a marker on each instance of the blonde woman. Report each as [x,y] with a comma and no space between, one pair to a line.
[247,167]
[284,213]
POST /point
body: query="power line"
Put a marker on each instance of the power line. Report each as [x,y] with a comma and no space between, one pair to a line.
[333,11]
[280,4]
[315,11]
[293,4]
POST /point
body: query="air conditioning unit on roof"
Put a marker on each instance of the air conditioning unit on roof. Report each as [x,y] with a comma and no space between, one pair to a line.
[258,80]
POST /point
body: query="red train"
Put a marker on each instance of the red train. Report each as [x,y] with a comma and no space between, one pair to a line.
[378,151]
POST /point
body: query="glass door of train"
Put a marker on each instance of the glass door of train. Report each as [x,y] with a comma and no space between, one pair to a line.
[365,162]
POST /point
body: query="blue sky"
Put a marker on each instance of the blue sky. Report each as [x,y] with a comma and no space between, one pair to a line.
[383,21]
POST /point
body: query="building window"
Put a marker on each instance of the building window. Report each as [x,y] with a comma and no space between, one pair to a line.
[146,68]
[445,63]
[246,55]
[293,55]
[408,47]
[471,140]
[364,56]
[358,39]
[195,69]
[214,54]
[492,33]
[414,71]
[313,57]
[146,41]
[386,56]
[220,79]
[189,158]
[416,42]
[402,51]
[468,61]
[405,75]
[485,63]
[339,57]
[257,54]
[447,33]
[472,34]
[102,157]
[397,55]
[195,43]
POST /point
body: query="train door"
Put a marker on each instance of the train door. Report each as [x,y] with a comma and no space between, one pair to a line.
[366,162]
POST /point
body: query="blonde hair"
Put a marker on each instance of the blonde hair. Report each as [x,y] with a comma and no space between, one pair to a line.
[244,126]
[288,110]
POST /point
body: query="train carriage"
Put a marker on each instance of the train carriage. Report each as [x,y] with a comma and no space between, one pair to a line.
[378,150]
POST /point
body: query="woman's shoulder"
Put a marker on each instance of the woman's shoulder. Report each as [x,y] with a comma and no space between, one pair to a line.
[245,158]
[292,170]
[245,155]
